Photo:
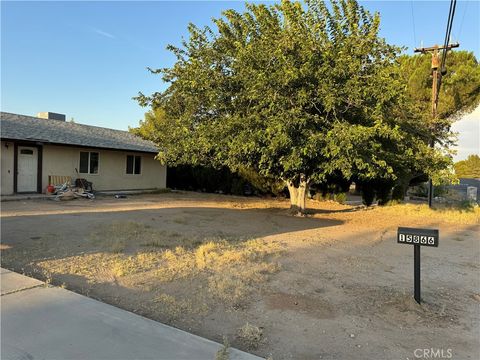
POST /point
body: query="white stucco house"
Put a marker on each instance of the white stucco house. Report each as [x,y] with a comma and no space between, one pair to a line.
[36,151]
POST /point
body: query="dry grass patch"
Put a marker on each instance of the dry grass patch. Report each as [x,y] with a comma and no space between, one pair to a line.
[100,267]
[234,284]
[230,269]
[173,308]
[468,216]
[384,214]
[251,336]
[219,269]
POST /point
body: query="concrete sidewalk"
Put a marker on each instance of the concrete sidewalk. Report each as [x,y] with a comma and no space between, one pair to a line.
[41,322]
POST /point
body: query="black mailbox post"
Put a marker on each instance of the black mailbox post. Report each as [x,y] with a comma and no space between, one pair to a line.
[417,238]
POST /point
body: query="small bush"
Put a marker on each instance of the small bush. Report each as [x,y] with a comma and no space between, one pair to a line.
[224,352]
[368,195]
[467,205]
[398,192]
[264,184]
[251,336]
[383,196]
[341,198]
[238,187]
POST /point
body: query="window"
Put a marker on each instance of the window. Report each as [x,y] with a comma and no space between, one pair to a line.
[26,152]
[134,164]
[88,162]
[138,165]
[93,163]
[130,164]
[84,157]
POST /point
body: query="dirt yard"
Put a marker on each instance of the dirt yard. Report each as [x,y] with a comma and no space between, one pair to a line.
[334,285]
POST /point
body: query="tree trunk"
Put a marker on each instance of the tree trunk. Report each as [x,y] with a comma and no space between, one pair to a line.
[298,195]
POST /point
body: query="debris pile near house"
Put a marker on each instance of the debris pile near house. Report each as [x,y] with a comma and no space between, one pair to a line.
[69,192]
[84,184]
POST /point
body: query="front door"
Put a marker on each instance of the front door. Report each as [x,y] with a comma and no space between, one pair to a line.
[27,168]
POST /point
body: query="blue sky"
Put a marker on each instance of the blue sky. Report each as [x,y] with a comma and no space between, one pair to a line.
[88,59]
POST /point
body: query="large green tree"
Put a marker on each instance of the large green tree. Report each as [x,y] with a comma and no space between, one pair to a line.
[296,93]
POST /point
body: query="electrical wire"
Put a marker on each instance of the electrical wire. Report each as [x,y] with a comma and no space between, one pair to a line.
[463,19]
[451,15]
[448,32]
[413,22]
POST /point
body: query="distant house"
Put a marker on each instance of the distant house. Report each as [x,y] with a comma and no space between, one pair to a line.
[36,151]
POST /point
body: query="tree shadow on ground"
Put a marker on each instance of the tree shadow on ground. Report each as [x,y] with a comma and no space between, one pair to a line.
[31,238]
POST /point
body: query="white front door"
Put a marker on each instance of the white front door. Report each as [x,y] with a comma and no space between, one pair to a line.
[27,167]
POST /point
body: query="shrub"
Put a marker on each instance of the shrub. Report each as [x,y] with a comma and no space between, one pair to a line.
[238,186]
[383,194]
[264,184]
[209,179]
[368,195]
[398,192]
[341,198]
[251,336]
[224,352]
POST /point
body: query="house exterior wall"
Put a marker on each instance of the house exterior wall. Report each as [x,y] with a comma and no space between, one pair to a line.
[7,158]
[62,160]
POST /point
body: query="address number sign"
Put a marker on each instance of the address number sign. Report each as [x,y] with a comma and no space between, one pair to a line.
[425,237]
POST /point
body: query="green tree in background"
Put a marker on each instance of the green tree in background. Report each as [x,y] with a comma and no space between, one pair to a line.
[460,88]
[459,95]
[469,168]
[298,94]
[150,128]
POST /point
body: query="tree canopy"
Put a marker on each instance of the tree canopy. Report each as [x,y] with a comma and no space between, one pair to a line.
[469,168]
[459,91]
[296,93]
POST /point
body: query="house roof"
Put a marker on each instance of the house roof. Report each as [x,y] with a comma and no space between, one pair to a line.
[470,182]
[29,128]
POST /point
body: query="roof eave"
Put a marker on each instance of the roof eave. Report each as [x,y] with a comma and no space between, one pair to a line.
[45,142]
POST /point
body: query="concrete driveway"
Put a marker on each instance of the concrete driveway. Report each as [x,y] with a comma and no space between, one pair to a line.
[44,322]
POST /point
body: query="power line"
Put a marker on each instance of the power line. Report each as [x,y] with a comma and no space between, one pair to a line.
[451,14]
[446,47]
[413,21]
[463,18]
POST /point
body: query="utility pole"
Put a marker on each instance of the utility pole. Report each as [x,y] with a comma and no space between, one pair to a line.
[437,76]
